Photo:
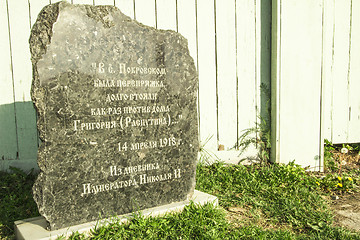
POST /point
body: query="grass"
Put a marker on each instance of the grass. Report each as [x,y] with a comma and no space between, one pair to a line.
[256,202]
[282,199]
[16,200]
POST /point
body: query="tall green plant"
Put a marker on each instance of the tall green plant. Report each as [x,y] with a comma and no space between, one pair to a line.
[259,135]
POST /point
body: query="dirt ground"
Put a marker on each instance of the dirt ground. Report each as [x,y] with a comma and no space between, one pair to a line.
[347,207]
[347,210]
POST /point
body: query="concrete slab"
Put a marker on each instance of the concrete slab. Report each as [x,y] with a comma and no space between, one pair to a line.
[35,228]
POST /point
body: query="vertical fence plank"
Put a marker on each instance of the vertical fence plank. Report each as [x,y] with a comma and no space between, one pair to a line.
[207,73]
[90,2]
[328,38]
[166,14]
[6,89]
[145,12]
[300,87]
[354,125]
[126,7]
[245,11]
[187,24]
[8,142]
[20,32]
[226,61]
[104,2]
[340,114]
[22,72]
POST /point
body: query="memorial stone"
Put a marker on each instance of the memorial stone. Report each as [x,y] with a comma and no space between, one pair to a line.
[117,114]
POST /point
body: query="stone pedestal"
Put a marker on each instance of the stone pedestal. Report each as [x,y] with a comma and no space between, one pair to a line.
[35,228]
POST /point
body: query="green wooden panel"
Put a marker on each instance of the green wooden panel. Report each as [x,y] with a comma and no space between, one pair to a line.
[8,143]
[26,130]
[18,145]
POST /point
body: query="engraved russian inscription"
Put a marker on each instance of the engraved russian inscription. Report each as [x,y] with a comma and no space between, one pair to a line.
[116,103]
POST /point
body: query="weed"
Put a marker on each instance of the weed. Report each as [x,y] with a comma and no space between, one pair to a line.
[207,157]
[337,179]
[330,164]
[259,136]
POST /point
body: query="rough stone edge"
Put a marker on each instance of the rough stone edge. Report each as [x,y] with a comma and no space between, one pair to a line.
[38,45]
[43,27]
[34,228]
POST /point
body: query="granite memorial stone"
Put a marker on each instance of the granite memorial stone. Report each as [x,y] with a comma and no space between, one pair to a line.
[116,104]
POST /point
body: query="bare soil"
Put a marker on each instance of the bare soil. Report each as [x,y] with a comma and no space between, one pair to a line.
[346,208]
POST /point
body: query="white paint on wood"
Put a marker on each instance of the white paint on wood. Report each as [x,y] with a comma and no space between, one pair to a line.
[354,75]
[328,39]
[340,114]
[187,25]
[104,2]
[20,32]
[227,82]
[300,76]
[247,115]
[6,86]
[145,12]
[126,7]
[207,73]
[90,2]
[166,14]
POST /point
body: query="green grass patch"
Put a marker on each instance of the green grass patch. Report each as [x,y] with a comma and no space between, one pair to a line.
[283,194]
[16,200]
[194,222]
[256,202]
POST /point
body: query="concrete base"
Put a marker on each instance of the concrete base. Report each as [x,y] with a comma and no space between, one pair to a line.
[34,228]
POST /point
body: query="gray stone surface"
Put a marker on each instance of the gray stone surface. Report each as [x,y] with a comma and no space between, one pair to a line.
[116,103]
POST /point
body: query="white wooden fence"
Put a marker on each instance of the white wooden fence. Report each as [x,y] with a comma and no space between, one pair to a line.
[316,77]
[314,71]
